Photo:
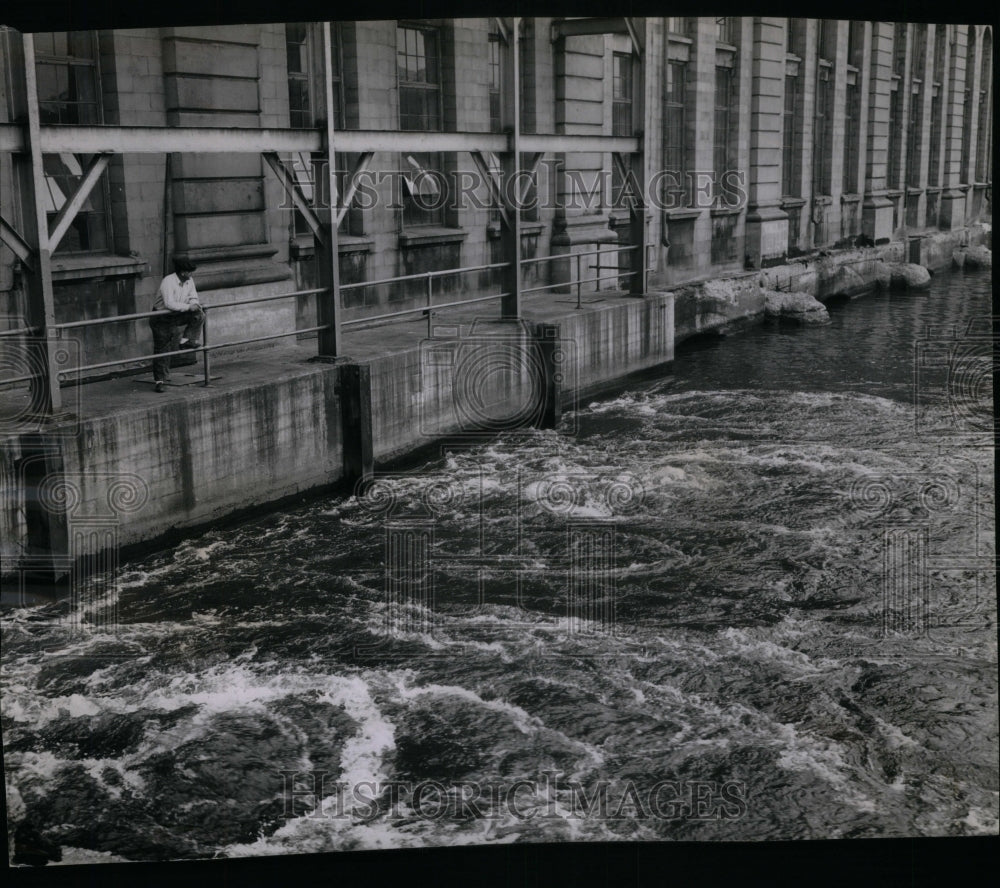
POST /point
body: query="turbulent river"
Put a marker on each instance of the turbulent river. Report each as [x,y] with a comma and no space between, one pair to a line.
[750,599]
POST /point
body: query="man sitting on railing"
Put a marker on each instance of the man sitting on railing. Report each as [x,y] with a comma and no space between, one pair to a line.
[178,299]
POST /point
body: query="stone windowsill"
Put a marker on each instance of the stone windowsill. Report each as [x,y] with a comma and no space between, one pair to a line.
[726,47]
[228,254]
[304,247]
[682,213]
[850,198]
[894,192]
[822,200]
[725,211]
[432,236]
[532,228]
[911,190]
[979,185]
[86,266]
[679,38]
[792,202]
[935,189]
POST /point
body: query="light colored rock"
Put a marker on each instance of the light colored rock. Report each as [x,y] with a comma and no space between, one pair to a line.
[796,306]
[908,276]
[883,276]
[958,259]
[978,257]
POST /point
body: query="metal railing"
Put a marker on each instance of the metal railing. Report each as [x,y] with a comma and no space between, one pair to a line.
[427,310]
[579,282]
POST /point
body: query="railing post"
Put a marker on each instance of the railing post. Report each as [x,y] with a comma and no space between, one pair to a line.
[642,108]
[206,360]
[578,282]
[430,301]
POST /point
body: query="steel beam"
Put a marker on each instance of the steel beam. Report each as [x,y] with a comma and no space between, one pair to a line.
[352,188]
[496,194]
[510,160]
[45,395]
[328,306]
[64,218]
[159,140]
[642,123]
[9,235]
[582,144]
[170,139]
[291,187]
[582,27]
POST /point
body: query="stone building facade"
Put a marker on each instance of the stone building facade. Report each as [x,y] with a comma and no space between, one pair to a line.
[776,137]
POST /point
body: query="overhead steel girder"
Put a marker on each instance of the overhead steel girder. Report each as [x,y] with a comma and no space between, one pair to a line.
[158,140]
[582,27]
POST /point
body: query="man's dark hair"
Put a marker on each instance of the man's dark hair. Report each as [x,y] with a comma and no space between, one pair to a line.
[184,265]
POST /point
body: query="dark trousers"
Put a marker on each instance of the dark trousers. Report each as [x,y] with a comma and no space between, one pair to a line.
[166,328]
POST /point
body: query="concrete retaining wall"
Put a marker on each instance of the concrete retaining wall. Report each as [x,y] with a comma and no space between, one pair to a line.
[180,464]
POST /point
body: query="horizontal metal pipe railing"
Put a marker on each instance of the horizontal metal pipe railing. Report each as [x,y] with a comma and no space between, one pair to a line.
[357,323]
[578,282]
[574,255]
[423,275]
[21,331]
[140,359]
[423,309]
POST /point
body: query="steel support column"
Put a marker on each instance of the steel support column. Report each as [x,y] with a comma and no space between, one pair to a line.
[642,127]
[328,306]
[510,228]
[46,398]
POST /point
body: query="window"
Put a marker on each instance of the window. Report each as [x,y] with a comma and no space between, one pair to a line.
[983,147]
[422,195]
[967,106]
[299,99]
[934,155]
[791,175]
[855,43]
[851,148]
[892,167]
[822,136]
[899,49]
[725,30]
[303,70]
[722,140]
[914,130]
[674,132]
[496,79]
[678,26]
[419,78]
[621,117]
[69,93]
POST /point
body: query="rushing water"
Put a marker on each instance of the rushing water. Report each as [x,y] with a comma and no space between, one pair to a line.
[755,535]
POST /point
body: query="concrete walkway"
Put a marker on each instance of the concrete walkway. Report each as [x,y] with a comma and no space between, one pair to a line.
[249,365]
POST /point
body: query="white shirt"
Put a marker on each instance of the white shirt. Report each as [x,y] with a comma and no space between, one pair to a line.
[174,295]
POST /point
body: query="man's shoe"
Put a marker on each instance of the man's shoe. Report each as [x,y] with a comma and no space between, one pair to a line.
[187,343]
[159,387]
